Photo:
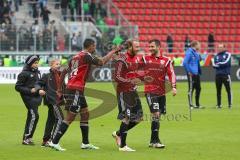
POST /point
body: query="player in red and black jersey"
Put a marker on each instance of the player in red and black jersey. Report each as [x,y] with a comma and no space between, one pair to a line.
[158,67]
[127,77]
[78,69]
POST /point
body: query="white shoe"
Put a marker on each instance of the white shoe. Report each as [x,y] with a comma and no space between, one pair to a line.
[88,146]
[156,145]
[117,138]
[126,149]
[56,146]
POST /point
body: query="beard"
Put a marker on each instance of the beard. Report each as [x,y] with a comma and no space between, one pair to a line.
[154,51]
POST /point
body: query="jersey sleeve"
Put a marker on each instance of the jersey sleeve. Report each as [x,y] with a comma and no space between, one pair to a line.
[42,83]
[186,61]
[171,74]
[119,68]
[21,86]
[91,59]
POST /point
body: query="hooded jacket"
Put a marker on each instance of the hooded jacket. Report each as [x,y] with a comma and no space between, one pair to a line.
[25,82]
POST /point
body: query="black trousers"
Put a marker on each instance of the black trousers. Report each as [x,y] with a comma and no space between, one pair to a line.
[226,80]
[31,122]
[54,119]
[194,83]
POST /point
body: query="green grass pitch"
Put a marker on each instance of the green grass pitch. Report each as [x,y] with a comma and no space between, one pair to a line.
[210,134]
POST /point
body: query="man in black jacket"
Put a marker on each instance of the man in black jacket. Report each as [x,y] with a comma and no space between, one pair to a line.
[49,82]
[222,64]
[32,99]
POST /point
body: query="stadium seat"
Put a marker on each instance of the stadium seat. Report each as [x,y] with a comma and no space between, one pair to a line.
[181,17]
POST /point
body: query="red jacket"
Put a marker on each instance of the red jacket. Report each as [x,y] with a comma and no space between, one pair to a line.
[158,68]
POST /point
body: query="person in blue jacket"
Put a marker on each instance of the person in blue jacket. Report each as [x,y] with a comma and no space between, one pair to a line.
[222,64]
[191,64]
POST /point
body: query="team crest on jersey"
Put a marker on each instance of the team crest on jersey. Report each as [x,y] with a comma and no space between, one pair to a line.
[224,56]
[162,62]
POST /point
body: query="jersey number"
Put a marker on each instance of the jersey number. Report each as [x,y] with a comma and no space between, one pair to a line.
[74,68]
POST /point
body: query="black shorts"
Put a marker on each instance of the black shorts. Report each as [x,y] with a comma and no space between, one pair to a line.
[75,100]
[156,103]
[129,106]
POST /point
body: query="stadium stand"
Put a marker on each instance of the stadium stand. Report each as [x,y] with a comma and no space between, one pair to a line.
[157,18]
[23,32]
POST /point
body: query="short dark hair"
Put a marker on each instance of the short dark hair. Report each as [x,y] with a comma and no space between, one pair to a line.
[156,41]
[88,42]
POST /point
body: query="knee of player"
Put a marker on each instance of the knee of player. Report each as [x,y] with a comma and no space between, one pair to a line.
[155,116]
[84,113]
[70,118]
[126,121]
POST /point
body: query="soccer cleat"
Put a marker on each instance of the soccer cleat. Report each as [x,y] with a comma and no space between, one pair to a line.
[28,142]
[56,147]
[45,144]
[156,145]
[230,106]
[218,107]
[126,149]
[191,106]
[199,107]
[88,146]
[117,138]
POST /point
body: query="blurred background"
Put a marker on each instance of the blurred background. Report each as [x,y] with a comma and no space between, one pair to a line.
[57,28]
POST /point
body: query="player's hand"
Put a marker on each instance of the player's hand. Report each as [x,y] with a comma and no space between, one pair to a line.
[136,81]
[148,79]
[118,48]
[41,92]
[33,90]
[174,91]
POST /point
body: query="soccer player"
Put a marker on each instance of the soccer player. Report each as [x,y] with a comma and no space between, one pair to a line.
[129,104]
[25,85]
[78,70]
[50,83]
[191,64]
[157,66]
[222,63]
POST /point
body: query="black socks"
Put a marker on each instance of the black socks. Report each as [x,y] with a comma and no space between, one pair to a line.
[85,130]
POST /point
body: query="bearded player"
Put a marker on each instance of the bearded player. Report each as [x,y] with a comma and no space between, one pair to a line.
[127,78]
[158,67]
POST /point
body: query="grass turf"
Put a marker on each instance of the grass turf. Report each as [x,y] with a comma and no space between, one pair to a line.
[210,134]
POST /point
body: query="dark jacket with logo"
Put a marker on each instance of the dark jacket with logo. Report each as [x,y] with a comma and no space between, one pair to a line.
[49,83]
[25,82]
[222,63]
